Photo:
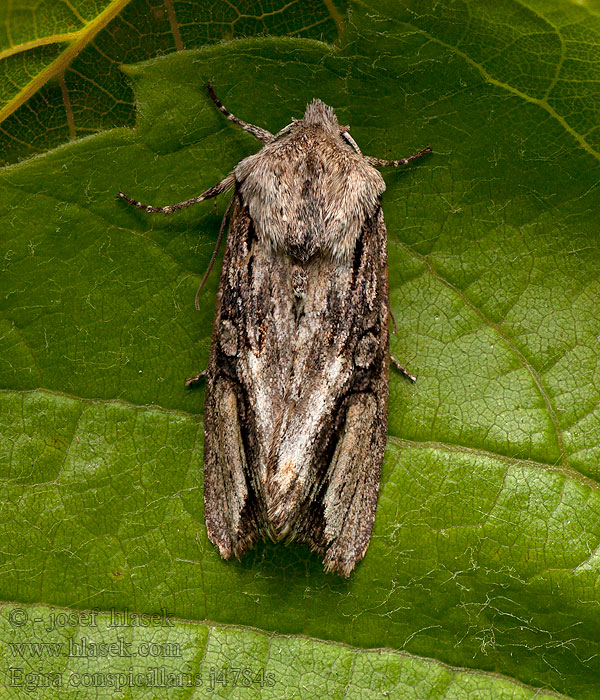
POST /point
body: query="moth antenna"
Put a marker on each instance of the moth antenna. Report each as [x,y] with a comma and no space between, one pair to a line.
[214,191]
[214,255]
[380,163]
[256,131]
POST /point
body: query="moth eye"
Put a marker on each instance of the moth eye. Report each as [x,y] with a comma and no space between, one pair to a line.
[229,338]
[365,351]
[299,282]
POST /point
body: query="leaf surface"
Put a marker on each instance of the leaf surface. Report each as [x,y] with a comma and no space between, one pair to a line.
[484,555]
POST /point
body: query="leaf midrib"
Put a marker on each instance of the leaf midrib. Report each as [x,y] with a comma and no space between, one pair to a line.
[456,448]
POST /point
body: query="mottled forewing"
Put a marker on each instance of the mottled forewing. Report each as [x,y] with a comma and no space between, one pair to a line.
[296,406]
[234,506]
[337,515]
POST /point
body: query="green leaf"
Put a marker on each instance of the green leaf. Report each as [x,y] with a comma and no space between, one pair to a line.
[482,575]
[158,652]
[59,60]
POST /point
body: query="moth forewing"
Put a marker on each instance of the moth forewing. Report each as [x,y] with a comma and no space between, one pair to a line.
[297,381]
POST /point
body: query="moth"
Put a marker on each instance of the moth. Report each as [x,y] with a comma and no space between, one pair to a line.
[297,381]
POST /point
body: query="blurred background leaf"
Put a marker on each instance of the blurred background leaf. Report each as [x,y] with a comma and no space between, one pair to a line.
[59,59]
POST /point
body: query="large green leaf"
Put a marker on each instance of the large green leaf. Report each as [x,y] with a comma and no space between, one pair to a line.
[485,549]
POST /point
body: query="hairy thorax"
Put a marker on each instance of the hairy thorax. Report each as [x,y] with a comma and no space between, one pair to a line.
[309,192]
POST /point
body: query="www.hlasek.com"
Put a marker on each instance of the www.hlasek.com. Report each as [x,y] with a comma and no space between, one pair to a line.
[89,649]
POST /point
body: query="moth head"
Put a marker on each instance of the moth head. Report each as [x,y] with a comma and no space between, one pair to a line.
[319,114]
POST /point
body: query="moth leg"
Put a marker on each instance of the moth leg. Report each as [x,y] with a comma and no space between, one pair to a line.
[351,496]
[192,381]
[401,369]
[214,191]
[256,131]
[346,136]
[225,487]
[380,163]
[214,255]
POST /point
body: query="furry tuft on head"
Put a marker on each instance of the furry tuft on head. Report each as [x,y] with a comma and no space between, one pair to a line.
[320,114]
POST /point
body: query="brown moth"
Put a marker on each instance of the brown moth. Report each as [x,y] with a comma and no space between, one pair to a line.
[297,381]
